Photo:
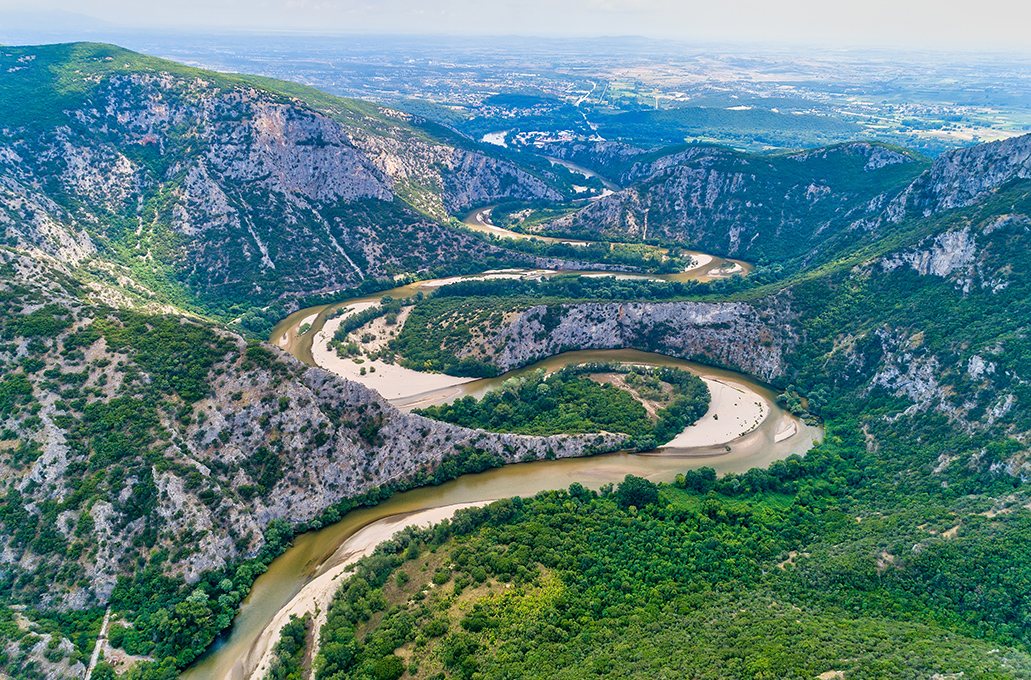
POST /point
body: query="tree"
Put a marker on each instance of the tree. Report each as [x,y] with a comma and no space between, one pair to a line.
[390,667]
[636,491]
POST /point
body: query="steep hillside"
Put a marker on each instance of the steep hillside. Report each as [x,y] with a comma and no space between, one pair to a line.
[156,463]
[962,178]
[132,442]
[214,189]
[750,338]
[759,208]
[929,320]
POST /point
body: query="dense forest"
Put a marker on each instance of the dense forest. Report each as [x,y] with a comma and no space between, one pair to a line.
[155,462]
[873,553]
[891,550]
[569,401]
[705,578]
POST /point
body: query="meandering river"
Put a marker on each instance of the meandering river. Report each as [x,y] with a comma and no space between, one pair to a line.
[705,268]
[774,435]
[610,187]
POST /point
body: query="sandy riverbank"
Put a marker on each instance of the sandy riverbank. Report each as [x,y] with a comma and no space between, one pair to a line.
[390,380]
[317,594]
[511,274]
[620,277]
[733,412]
[284,341]
[699,260]
[733,270]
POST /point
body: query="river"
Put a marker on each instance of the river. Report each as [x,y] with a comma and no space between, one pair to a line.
[317,553]
[610,187]
[706,267]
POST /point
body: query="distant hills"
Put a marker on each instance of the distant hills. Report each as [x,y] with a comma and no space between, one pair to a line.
[212,189]
[156,461]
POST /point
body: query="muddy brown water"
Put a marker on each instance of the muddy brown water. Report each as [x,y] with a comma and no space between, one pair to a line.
[718,267]
[313,553]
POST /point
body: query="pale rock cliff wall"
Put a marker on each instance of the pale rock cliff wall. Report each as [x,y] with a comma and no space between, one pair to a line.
[329,439]
[244,192]
[749,206]
[961,178]
[753,339]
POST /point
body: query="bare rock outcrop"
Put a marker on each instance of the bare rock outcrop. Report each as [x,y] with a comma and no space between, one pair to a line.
[753,339]
[961,178]
[239,190]
[747,206]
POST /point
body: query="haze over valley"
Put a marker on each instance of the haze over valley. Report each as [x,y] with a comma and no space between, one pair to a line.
[406,356]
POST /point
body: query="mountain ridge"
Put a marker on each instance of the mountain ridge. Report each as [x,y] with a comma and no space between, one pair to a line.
[202,183]
[151,462]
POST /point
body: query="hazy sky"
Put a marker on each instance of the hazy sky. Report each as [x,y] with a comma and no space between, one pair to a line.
[955,24]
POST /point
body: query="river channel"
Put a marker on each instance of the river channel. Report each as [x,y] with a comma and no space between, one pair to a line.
[773,436]
[706,268]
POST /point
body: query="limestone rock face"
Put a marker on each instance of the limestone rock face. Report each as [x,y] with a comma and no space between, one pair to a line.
[269,439]
[32,218]
[961,178]
[963,256]
[753,339]
[243,192]
[941,256]
[749,206]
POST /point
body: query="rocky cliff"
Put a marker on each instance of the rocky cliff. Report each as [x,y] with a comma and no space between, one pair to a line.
[935,327]
[220,189]
[122,433]
[759,208]
[961,178]
[749,338]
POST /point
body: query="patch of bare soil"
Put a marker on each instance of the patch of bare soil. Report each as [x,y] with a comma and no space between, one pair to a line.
[653,400]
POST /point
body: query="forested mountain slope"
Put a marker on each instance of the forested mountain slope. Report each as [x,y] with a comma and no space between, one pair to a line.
[803,208]
[213,189]
[895,548]
[157,463]
[938,322]
[132,441]
[755,207]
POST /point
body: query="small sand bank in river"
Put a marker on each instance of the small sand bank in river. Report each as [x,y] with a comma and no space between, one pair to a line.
[390,380]
[733,411]
[284,341]
[620,277]
[728,269]
[699,260]
[318,593]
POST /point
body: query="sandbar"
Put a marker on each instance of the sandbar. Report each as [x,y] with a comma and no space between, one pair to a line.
[294,331]
[316,595]
[733,412]
[390,380]
[620,277]
[728,271]
[699,260]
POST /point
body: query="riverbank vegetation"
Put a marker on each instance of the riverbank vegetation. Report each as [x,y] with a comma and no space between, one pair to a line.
[541,405]
[290,650]
[906,492]
[618,256]
[713,583]
[897,547]
[569,401]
